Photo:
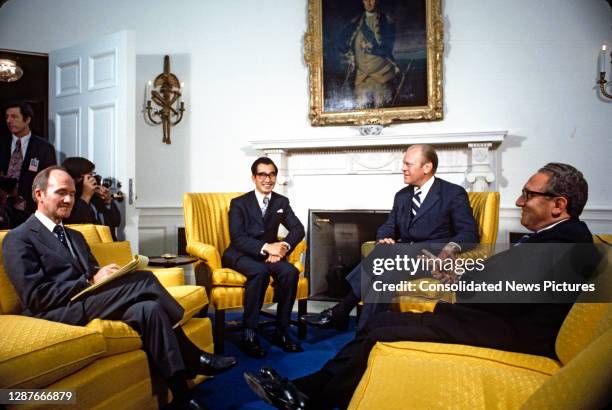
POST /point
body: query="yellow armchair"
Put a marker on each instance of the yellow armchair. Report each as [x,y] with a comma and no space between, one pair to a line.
[207,234]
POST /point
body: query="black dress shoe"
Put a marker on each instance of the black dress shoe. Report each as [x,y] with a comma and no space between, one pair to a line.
[251,346]
[275,390]
[187,403]
[326,320]
[211,364]
[284,341]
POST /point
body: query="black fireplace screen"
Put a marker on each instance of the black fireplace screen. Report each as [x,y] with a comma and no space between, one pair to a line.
[334,247]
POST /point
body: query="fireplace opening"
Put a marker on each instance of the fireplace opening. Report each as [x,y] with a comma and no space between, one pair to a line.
[334,247]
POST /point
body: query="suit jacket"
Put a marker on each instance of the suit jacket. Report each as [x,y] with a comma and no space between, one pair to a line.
[536,324]
[38,149]
[82,213]
[249,230]
[44,272]
[444,216]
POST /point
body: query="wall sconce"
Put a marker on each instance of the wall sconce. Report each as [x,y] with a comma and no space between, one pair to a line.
[166,93]
[9,70]
[602,72]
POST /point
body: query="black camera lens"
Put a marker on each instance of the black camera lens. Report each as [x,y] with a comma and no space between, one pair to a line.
[98,179]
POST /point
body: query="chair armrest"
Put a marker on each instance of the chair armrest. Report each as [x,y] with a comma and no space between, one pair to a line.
[366,248]
[295,257]
[169,276]
[205,252]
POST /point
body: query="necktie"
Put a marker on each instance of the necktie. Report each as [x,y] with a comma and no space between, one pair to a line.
[266,200]
[14,168]
[416,201]
[61,235]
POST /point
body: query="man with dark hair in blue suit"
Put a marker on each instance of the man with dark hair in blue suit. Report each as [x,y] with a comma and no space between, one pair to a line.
[256,252]
[429,210]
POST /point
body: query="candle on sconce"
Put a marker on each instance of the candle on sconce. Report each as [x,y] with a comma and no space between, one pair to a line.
[180,99]
[148,90]
[602,59]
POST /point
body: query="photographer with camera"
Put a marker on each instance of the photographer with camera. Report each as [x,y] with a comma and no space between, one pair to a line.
[93,201]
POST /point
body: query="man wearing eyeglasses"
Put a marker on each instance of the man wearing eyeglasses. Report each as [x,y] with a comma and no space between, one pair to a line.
[256,252]
[551,203]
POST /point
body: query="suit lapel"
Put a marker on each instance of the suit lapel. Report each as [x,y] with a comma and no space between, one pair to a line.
[48,239]
[30,153]
[79,248]
[432,197]
[271,206]
[253,204]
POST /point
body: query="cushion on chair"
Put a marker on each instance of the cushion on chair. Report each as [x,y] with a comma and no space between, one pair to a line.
[584,323]
[169,276]
[92,233]
[117,382]
[118,336]
[191,298]
[583,383]
[442,376]
[112,252]
[35,352]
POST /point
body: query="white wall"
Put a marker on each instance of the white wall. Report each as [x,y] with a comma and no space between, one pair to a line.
[523,66]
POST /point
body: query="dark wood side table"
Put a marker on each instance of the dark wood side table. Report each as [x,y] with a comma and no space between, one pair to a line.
[171,262]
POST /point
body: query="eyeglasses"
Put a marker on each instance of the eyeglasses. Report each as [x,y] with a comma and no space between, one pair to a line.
[527,194]
[263,175]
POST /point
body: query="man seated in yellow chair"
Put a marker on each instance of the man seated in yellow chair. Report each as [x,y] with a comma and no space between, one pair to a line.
[49,264]
[429,211]
[255,252]
[551,202]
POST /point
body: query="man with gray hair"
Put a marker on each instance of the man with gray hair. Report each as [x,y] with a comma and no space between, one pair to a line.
[429,211]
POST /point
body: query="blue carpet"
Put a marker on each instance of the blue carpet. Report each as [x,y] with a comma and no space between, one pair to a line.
[229,390]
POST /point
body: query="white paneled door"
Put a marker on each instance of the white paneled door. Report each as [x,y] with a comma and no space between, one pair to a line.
[92,115]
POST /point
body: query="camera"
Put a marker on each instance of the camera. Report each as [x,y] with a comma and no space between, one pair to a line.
[106,182]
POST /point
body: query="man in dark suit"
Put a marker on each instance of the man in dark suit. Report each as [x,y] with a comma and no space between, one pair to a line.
[256,252]
[551,202]
[430,211]
[34,154]
[48,264]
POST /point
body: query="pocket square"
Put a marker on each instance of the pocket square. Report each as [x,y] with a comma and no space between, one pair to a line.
[280,211]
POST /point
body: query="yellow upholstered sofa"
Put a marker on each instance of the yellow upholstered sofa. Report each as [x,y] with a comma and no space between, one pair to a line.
[422,375]
[102,361]
[207,234]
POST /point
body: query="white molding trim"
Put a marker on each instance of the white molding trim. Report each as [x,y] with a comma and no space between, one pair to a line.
[462,138]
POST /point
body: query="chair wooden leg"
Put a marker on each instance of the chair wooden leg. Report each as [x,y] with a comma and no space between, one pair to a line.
[219,333]
[302,310]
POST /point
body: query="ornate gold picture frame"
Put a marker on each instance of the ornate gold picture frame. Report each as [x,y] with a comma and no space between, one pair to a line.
[374,61]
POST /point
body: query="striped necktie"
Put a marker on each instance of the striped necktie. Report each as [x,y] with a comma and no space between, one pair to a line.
[416,201]
[14,168]
[264,207]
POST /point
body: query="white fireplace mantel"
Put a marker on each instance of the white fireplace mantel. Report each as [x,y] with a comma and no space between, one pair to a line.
[460,138]
[472,154]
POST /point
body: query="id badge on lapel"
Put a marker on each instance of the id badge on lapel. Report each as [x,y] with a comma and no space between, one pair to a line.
[33,165]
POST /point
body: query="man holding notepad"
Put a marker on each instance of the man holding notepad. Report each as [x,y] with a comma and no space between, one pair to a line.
[49,264]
